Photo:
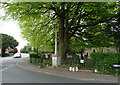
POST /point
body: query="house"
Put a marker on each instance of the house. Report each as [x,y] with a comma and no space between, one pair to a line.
[89,51]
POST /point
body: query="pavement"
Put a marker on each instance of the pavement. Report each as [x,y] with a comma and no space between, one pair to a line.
[87,76]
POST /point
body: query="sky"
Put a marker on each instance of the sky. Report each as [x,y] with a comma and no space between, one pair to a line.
[11,28]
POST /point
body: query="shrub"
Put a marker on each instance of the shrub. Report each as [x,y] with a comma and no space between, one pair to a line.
[40,62]
[32,55]
[5,55]
[71,61]
[10,51]
[47,61]
[23,51]
[11,54]
[103,62]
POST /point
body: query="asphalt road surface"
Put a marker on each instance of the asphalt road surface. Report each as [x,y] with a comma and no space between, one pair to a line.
[11,73]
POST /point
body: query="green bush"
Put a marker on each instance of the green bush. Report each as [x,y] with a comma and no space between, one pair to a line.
[33,60]
[47,61]
[40,62]
[23,51]
[5,55]
[40,53]
[32,55]
[11,54]
[71,61]
[39,59]
[89,64]
[10,51]
[103,62]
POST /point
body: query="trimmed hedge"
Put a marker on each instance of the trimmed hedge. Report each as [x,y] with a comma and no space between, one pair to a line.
[5,55]
[70,61]
[38,59]
[103,62]
[32,55]
[42,63]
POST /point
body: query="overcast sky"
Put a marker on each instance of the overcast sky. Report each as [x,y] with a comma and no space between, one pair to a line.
[11,28]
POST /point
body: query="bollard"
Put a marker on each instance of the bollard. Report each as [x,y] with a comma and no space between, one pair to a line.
[70,68]
[95,70]
[76,69]
[73,69]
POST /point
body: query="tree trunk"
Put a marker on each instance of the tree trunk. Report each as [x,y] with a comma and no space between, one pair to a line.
[82,51]
[63,39]
[63,34]
[3,52]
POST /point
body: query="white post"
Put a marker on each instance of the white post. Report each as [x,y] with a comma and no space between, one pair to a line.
[55,58]
[55,43]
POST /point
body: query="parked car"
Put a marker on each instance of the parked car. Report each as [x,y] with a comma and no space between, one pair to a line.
[116,66]
[17,55]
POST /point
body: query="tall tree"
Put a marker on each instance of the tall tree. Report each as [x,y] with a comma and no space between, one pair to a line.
[6,42]
[73,19]
[26,49]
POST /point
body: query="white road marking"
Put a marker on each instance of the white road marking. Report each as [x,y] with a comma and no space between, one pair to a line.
[7,67]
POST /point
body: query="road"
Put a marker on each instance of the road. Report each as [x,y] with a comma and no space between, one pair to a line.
[11,73]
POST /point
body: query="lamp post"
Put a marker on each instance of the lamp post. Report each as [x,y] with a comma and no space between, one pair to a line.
[55,57]
[55,43]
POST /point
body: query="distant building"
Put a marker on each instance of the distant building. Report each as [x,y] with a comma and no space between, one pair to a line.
[88,52]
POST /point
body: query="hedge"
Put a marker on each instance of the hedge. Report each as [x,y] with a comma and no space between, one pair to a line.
[38,59]
[5,55]
[42,63]
[32,55]
[103,62]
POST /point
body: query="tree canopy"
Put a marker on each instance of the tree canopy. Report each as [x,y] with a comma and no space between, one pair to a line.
[113,28]
[26,49]
[7,41]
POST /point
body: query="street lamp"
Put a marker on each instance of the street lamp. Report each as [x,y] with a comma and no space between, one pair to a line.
[56,43]
[55,57]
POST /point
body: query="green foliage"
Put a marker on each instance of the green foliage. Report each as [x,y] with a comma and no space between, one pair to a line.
[5,55]
[23,51]
[113,29]
[32,55]
[47,61]
[103,62]
[75,45]
[10,51]
[42,62]
[40,54]
[71,61]
[83,20]
[26,49]
[6,42]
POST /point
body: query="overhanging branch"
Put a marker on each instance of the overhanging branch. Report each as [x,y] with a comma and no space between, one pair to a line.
[97,22]
[53,18]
